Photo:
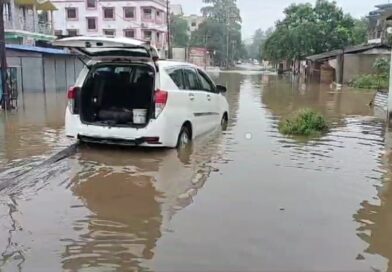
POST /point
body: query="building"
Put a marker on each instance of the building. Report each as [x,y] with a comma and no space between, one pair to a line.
[28,21]
[342,66]
[176,10]
[379,21]
[144,20]
[194,21]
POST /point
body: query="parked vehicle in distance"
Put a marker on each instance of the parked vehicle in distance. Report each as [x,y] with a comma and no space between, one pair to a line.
[125,95]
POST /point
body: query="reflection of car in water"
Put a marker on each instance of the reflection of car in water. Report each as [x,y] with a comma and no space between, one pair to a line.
[130,197]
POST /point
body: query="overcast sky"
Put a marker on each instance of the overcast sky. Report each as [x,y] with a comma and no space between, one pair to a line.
[263,13]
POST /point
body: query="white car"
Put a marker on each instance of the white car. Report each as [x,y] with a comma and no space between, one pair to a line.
[125,95]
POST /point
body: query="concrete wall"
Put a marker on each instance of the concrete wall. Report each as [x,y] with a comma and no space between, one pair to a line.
[357,64]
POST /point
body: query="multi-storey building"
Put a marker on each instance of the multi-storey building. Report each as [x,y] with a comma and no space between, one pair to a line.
[139,19]
[380,20]
[28,21]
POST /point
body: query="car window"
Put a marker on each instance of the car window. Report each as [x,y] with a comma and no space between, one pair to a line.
[205,82]
[176,76]
[191,79]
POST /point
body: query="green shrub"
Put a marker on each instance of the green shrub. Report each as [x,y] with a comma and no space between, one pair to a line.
[377,82]
[304,122]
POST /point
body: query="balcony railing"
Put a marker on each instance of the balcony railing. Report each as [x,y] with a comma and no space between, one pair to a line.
[39,27]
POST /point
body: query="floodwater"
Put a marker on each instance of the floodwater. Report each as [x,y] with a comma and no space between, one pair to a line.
[249,199]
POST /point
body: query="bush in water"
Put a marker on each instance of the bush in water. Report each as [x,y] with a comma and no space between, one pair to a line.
[304,122]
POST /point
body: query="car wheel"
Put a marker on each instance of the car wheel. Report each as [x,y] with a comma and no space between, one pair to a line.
[184,138]
[224,122]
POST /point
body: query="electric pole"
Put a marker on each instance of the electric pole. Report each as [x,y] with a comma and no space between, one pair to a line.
[5,100]
[227,38]
[169,49]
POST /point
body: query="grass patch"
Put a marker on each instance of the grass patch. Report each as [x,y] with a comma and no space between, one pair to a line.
[304,122]
[374,82]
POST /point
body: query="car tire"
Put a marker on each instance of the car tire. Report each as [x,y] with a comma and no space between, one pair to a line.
[224,122]
[184,138]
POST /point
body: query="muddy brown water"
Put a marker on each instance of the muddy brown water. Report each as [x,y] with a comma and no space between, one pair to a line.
[249,199]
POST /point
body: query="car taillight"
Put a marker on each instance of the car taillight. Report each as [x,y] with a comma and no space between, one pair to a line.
[160,101]
[72,94]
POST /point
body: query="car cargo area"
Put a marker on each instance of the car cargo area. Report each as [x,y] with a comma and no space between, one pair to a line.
[118,95]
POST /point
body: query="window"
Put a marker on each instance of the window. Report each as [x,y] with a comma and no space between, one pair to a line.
[72,13]
[109,32]
[147,35]
[58,33]
[91,23]
[176,76]
[191,79]
[147,13]
[72,32]
[91,4]
[158,36]
[129,33]
[206,83]
[158,13]
[108,13]
[129,12]
[193,24]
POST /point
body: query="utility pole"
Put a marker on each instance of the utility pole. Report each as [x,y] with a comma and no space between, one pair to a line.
[169,48]
[5,100]
[227,38]
[205,49]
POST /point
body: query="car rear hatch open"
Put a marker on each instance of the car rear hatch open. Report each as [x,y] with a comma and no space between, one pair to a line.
[105,47]
[120,86]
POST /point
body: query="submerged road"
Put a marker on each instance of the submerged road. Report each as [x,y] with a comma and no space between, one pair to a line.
[249,199]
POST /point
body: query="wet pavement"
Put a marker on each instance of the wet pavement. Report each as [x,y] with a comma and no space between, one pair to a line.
[249,199]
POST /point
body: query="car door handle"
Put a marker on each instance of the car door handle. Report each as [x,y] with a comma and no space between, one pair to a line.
[191,96]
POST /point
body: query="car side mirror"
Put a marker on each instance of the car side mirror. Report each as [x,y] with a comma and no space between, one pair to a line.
[221,89]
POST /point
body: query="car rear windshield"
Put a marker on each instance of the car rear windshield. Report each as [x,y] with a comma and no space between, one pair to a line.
[132,72]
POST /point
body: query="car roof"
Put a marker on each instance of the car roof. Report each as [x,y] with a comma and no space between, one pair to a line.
[161,63]
[170,64]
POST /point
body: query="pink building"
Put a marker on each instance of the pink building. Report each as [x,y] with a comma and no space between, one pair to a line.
[139,19]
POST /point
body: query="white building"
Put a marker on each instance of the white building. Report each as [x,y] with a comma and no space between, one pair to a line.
[176,10]
[194,21]
[139,19]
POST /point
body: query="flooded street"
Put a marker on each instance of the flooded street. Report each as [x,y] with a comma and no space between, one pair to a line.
[249,199]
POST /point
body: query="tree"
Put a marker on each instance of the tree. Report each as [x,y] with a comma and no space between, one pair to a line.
[223,16]
[255,49]
[308,30]
[211,34]
[360,31]
[179,31]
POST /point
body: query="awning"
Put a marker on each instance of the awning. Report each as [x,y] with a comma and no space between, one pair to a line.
[45,5]
[14,34]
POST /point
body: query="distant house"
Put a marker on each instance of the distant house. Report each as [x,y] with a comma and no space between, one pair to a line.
[28,21]
[343,65]
[194,21]
[379,21]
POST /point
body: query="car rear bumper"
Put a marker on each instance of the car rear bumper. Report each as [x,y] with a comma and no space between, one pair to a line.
[122,136]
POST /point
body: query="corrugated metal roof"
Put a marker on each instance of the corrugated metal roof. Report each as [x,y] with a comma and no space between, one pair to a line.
[37,49]
[354,49]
